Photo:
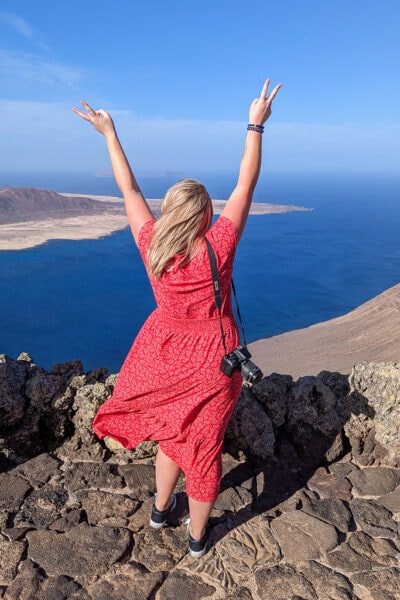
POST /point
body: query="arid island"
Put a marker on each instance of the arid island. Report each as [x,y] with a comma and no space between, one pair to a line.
[30,216]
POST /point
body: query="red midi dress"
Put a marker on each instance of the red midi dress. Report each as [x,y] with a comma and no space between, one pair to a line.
[170,388]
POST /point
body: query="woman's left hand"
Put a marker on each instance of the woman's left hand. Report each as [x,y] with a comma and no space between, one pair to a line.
[100,119]
[261,108]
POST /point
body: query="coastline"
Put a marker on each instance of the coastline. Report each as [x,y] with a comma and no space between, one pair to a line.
[26,234]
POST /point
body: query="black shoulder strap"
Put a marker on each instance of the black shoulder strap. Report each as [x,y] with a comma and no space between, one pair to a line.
[214,271]
[217,292]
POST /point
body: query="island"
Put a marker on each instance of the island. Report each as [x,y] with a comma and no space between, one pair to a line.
[31,216]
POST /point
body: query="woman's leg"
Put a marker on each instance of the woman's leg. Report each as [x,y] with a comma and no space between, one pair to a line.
[203,485]
[167,475]
[199,514]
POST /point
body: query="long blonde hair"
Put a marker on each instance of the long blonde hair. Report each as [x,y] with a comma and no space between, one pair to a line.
[186,214]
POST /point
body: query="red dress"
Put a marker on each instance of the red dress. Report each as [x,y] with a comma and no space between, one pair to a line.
[170,388]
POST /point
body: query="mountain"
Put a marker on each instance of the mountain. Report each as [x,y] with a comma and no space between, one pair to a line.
[26,204]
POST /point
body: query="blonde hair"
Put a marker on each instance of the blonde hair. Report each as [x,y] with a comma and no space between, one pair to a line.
[186,214]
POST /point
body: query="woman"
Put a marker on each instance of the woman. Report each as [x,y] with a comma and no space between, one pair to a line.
[170,388]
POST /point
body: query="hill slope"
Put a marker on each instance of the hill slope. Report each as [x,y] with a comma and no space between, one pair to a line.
[27,204]
[370,332]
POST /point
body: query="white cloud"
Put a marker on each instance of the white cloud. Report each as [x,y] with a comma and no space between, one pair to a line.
[67,142]
[373,147]
[48,136]
[27,68]
[20,25]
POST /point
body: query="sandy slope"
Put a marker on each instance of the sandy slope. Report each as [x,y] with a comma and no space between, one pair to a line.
[370,332]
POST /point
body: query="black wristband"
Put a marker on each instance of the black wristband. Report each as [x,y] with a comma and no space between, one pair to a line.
[258,128]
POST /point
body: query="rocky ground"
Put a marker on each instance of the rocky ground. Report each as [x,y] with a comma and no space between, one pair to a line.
[309,505]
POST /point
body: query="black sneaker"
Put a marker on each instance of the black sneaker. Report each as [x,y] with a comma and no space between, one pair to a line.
[198,548]
[159,517]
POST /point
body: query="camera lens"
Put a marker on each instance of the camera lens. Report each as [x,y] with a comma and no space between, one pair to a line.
[250,372]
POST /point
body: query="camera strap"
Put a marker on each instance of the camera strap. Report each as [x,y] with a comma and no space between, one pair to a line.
[217,294]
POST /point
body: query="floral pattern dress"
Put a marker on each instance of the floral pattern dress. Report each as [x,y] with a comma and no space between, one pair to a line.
[170,388]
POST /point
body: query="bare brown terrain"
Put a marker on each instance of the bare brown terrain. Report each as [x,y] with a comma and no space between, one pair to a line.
[26,204]
[370,332]
[30,217]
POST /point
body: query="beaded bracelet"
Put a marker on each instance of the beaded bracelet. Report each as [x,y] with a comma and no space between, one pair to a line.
[258,128]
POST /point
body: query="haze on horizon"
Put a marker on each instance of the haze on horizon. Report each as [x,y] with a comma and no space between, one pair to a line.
[178,80]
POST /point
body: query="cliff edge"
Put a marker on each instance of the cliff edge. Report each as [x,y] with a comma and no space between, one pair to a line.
[309,505]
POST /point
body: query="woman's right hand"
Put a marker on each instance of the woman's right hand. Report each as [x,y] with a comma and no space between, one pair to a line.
[100,119]
[261,108]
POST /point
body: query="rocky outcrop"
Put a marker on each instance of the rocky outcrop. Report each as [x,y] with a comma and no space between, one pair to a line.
[321,418]
[309,505]
[374,425]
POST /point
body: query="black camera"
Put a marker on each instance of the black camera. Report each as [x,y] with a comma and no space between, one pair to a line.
[238,360]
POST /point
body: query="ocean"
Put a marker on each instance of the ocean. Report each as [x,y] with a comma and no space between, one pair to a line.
[87,299]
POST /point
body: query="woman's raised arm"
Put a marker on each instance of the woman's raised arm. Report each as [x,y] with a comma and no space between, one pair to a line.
[137,209]
[238,206]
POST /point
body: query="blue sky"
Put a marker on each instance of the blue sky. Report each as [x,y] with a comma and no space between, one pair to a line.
[178,78]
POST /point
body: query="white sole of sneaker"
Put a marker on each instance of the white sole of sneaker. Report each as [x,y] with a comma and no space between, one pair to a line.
[198,554]
[155,525]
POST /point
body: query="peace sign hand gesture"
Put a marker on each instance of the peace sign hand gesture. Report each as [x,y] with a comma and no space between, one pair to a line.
[261,108]
[100,119]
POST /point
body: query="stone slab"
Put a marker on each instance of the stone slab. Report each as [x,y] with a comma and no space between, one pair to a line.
[81,551]
[374,481]
[302,536]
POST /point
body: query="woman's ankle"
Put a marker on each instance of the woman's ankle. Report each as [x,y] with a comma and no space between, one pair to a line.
[197,534]
[162,506]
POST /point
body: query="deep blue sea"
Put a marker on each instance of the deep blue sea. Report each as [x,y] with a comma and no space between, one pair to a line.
[87,299]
